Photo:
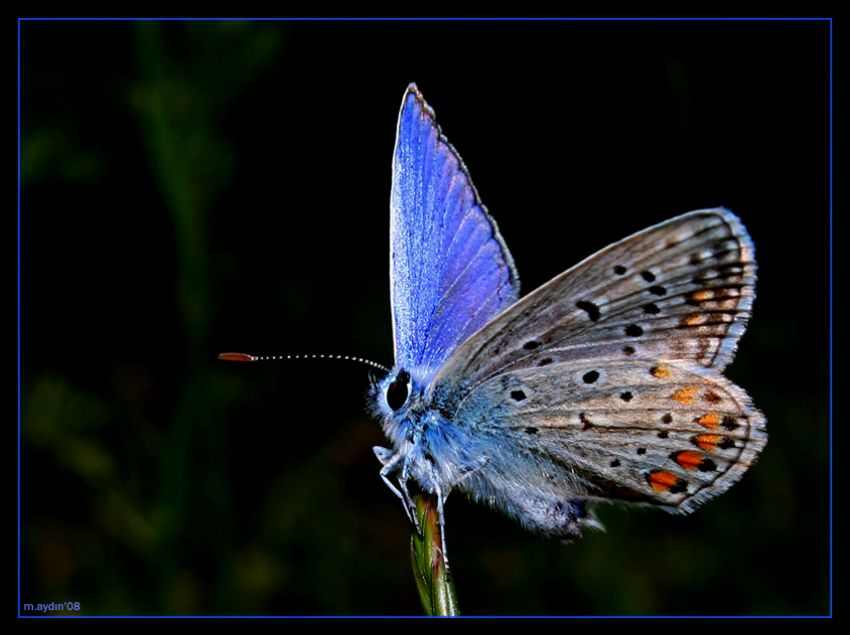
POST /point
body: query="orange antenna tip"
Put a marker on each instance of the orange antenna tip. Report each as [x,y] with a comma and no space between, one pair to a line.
[236,357]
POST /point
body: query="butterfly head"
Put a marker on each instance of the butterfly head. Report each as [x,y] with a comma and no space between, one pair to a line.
[398,399]
[397,393]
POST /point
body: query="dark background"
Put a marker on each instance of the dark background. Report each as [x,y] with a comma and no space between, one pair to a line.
[193,188]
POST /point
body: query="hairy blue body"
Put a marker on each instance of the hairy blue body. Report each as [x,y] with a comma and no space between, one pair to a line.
[441,453]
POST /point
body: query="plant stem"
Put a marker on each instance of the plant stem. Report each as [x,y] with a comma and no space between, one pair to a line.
[433,578]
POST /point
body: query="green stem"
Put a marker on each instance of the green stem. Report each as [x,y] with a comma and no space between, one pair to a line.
[433,578]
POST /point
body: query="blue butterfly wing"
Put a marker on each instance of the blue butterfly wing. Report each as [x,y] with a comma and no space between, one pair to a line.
[450,270]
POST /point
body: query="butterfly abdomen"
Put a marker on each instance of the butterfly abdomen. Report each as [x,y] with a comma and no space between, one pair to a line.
[550,513]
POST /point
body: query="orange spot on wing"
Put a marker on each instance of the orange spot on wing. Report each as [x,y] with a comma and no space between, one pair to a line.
[685,395]
[694,319]
[661,372]
[710,420]
[688,459]
[707,441]
[662,481]
[703,294]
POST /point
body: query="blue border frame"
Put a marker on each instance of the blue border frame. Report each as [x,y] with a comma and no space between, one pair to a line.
[434,19]
[19,318]
[441,19]
[830,324]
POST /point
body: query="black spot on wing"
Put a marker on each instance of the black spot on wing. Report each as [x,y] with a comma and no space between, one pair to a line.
[591,309]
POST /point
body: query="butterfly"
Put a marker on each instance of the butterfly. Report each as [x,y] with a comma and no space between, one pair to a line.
[603,385]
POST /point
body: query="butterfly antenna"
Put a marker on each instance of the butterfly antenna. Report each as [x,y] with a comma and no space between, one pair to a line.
[244,357]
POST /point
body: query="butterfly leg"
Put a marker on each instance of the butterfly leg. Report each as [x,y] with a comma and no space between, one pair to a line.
[410,506]
[390,463]
[441,518]
[385,455]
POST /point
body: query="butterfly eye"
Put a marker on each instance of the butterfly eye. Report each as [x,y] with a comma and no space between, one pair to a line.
[398,390]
